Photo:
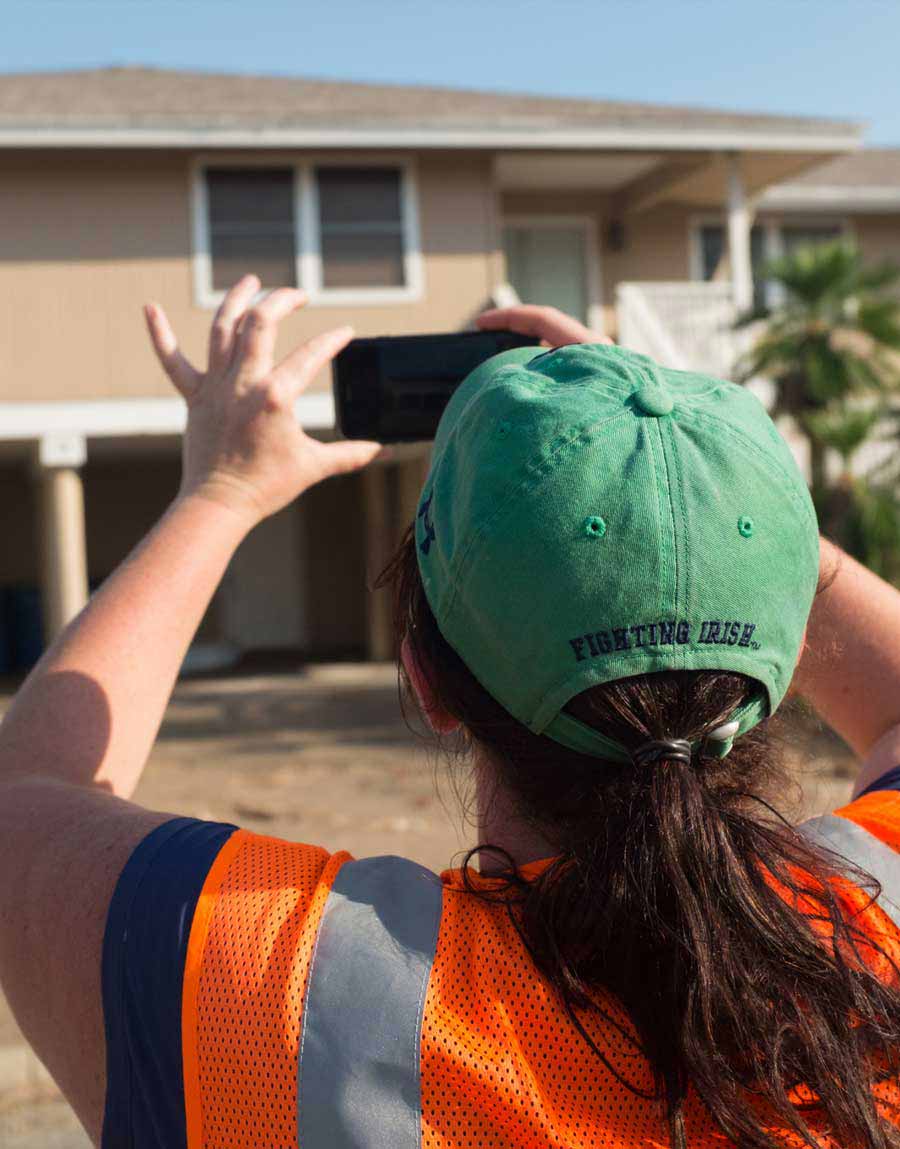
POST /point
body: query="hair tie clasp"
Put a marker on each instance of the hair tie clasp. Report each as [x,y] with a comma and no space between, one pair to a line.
[673,749]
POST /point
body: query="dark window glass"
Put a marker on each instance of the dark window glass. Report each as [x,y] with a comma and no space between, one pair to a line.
[361,227]
[713,250]
[251,225]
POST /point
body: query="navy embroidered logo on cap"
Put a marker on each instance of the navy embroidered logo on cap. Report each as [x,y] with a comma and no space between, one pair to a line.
[425,515]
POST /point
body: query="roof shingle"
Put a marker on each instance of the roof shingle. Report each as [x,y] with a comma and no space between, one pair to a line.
[153,98]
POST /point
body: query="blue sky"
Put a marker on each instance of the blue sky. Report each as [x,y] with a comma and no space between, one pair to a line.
[820,57]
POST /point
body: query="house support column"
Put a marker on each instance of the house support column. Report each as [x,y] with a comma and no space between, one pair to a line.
[739,223]
[64,580]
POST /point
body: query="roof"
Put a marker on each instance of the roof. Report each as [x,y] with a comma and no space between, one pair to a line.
[154,105]
[872,167]
[867,180]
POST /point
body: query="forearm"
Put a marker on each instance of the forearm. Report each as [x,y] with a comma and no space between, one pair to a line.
[850,667]
[90,710]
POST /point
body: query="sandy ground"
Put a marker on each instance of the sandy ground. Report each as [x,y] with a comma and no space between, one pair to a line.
[322,755]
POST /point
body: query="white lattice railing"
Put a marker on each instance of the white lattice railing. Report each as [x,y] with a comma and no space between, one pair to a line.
[689,326]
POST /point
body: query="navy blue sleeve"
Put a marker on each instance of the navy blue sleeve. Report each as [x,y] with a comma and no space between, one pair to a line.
[888,781]
[144,950]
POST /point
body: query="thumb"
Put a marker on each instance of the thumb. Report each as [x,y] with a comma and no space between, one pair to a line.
[352,455]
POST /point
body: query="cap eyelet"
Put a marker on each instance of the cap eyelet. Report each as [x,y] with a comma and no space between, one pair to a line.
[504,428]
[745,526]
[594,527]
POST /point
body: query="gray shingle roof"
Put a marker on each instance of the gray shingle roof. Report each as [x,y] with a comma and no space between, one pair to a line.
[869,167]
[146,98]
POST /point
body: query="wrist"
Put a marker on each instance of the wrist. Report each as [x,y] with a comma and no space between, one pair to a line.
[230,499]
[215,502]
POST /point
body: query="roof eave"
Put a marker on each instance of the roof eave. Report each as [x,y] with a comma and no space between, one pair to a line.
[527,139]
[860,199]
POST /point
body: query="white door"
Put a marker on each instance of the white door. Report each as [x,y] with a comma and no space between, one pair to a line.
[550,264]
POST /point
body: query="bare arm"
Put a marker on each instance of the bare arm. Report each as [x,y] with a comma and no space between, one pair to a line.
[75,740]
[850,667]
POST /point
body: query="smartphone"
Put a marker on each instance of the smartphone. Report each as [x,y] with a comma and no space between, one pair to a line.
[394,388]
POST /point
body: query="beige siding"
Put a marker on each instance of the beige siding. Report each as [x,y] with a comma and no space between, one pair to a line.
[878,236]
[85,239]
[655,246]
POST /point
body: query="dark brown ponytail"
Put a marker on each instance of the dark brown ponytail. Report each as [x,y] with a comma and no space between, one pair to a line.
[732,989]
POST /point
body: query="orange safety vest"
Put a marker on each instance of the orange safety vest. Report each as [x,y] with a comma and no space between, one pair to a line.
[330,1003]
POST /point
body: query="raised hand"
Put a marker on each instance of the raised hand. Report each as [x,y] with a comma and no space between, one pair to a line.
[243,445]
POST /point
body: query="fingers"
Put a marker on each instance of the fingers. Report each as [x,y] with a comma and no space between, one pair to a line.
[175,365]
[344,457]
[545,323]
[225,321]
[258,330]
[299,368]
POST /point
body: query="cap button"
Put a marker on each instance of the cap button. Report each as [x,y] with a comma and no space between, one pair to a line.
[654,399]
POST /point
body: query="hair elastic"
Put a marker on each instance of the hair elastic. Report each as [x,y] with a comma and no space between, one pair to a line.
[674,749]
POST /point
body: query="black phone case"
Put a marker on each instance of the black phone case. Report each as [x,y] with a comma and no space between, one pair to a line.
[394,388]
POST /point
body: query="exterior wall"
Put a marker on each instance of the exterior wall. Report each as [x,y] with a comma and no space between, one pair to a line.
[655,247]
[86,238]
[878,236]
[655,242]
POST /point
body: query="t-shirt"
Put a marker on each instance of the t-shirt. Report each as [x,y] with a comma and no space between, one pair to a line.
[259,992]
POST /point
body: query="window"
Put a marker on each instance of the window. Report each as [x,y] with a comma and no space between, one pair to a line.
[345,233]
[251,225]
[767,240]
[360,227]
[713,251]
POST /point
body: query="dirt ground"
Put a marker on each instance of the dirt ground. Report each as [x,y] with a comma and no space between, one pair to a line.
[322,755]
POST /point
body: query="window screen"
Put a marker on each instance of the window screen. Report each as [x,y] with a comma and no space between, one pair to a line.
[251,225]
[361,227]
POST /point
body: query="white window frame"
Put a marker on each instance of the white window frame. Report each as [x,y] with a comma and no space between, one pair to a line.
[308,272]
[593,278]
[772,238]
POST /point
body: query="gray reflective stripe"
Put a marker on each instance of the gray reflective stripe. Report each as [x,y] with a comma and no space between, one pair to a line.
[862,849]
[358,1074]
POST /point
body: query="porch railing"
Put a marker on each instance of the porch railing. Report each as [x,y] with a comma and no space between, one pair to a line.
[688,326]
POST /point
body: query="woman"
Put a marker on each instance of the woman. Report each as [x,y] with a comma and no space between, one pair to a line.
[612,575]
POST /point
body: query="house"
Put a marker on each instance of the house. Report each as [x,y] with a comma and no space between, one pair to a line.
[399,209]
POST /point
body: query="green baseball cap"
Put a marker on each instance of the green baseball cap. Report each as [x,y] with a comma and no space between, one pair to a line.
[590,515]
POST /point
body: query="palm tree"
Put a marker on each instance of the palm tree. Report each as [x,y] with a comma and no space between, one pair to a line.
[831,348]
